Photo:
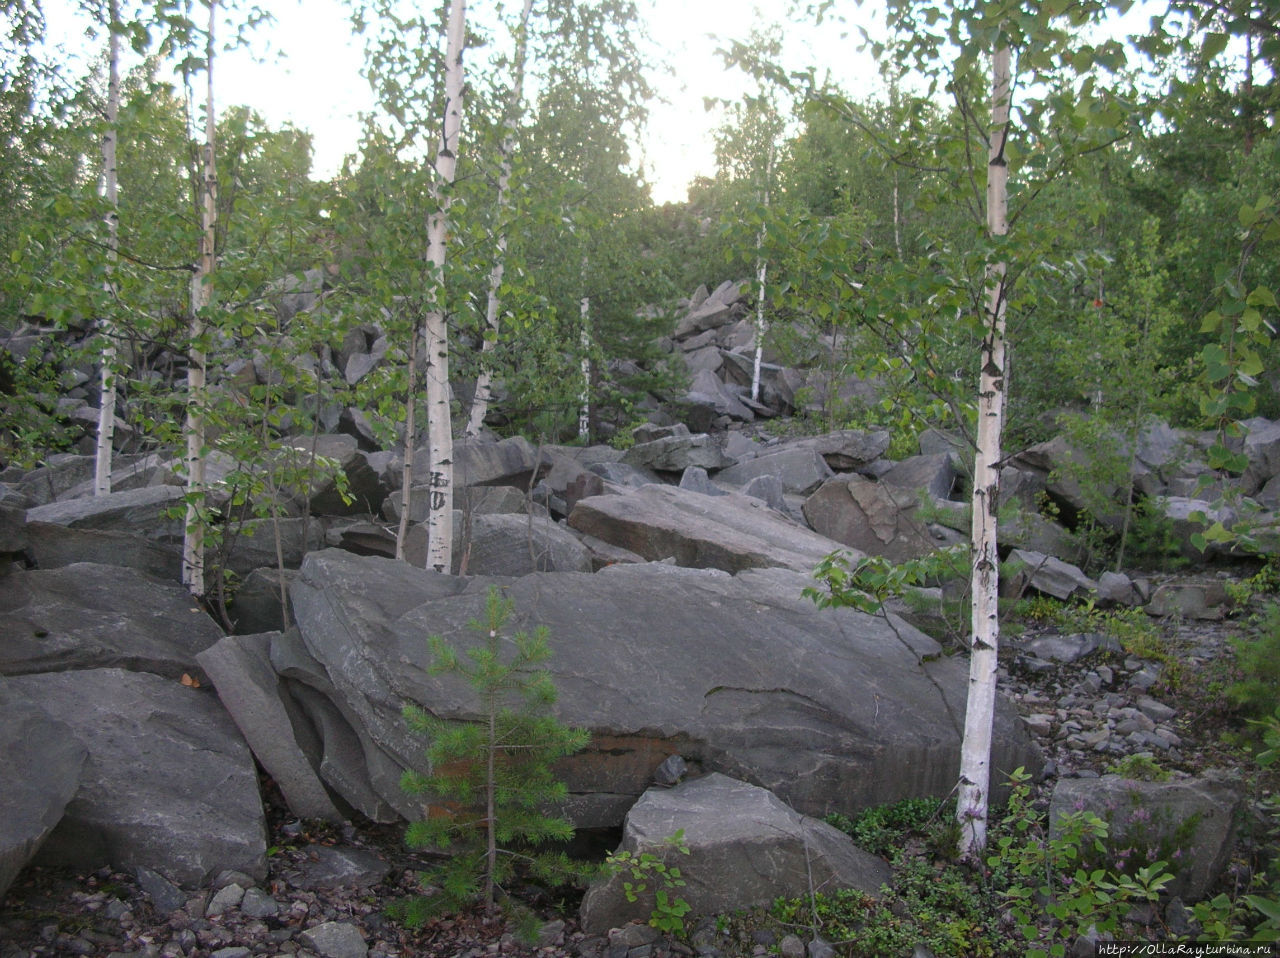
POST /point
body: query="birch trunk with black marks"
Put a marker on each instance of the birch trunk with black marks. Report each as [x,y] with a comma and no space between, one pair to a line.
[975,751]
[439,417]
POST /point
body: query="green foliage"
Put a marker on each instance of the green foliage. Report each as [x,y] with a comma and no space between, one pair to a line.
[1263,583]
[1054,874]
[492,779]
[867,583]
[1132,628]
[650,873]
[1139,767]
[881,829]
[1257,693]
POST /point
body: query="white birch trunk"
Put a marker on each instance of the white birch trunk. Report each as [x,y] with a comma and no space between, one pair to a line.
[975,751]
[111,193]
[762,272]
[584,344]
[439,417]
[410,438]
[201,289]
[493,305]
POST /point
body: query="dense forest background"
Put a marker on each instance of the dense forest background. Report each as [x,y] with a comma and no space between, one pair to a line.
[1144,187]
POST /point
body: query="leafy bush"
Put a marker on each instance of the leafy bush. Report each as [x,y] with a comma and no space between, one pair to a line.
[1258,657]
[1058,875]
[648,869]
[881,829]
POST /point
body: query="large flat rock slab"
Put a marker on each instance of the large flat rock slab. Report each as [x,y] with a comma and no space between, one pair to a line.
[87,616]
[168,784]
[146,509]
[732,532]
[830,709]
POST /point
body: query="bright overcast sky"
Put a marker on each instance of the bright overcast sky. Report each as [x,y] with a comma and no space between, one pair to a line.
[308,73]
[305,68]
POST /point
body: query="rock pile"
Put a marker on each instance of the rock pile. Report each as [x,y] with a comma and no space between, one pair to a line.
[670,575]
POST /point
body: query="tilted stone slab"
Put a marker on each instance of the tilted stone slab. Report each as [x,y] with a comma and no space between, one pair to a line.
[87,616]
[732,532]
[13,532]
[746,848]
[169,784]
[240,667]
[40,764]
[830,709]
[1046,574]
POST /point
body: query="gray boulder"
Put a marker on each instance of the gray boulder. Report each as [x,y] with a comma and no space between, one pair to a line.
[60,473]
[625,475]
[678,453]
[169,784]
[13,533]
[746,848]
[1262,447]
[1032,532]
[1063,463]
[695,479]
[253,545]
[1188,823]
[707,390]
[483,544]
[509,462]
[731,532]
[873,518]
[53,546]
[364,491]
[1187,517]
[800,468]
[1046,574]
[144,510]
[508,544]
[848,449]
[87,616]
[40,765]
[1202,598]
[713,312]
[936,475]
[830,709]
[769,490]
[335,939]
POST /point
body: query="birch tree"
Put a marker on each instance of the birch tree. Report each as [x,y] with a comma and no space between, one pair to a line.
[493,300]
[1064,113]
[439,418]
[201,299]
[975,749]
[111,195]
